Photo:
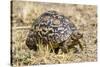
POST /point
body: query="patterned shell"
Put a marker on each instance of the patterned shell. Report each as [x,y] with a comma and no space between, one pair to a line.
[51,26]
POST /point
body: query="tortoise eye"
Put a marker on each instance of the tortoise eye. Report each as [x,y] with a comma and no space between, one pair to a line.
[78,34]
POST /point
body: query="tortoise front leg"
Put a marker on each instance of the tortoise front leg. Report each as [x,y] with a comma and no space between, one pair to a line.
[80,45]
[64,46]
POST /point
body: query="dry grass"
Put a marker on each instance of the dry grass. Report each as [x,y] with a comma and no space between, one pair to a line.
[23,15]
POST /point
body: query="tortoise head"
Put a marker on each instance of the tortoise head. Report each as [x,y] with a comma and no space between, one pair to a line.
[76,35]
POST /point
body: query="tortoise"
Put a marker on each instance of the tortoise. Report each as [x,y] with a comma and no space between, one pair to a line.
[56,28]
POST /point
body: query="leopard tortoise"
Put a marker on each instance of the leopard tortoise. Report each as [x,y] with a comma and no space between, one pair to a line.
[56,28]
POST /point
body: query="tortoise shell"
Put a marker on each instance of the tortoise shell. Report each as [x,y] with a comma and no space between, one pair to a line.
[51,26]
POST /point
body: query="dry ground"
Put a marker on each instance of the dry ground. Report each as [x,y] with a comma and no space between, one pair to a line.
[23,15]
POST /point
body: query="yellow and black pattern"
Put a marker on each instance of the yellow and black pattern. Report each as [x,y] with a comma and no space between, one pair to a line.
[53,27]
